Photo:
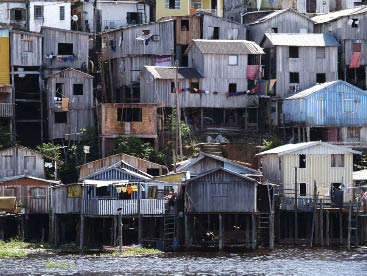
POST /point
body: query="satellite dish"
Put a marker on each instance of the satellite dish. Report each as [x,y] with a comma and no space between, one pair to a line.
[74,17]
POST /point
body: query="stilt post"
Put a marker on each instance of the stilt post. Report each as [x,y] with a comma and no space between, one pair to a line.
[327,228]
[220,231]
[349,225]
[253,232]
[295,207]
[340,226]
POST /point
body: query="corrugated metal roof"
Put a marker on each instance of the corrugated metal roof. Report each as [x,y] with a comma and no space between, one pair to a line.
[331,16]
[72,70]
[311,90]
[221,169]
[305,40]
[12,178]
[169,73]
[360,175]
[289,148]
[274,14]
[227,47]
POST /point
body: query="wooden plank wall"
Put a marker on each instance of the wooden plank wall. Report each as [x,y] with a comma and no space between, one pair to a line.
[22,58]
[81,108]
[227,29]
[184,37]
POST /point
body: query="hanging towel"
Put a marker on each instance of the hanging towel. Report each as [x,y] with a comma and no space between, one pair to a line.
[252,71]
[272,82]
[65,104]
[356,60]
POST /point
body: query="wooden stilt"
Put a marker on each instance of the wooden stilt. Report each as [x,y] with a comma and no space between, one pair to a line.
[247,232]
[114,229]
[253,238]
[349,225]
[120,231]
[322,224]
[81,242]
[327,213]
[187,233]
[220,232]
[340,226]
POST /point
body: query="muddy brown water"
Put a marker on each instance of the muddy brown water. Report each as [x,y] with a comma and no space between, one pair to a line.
[282,261]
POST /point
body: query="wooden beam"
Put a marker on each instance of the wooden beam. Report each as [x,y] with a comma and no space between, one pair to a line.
[327,228]
[220,232]
[253,238]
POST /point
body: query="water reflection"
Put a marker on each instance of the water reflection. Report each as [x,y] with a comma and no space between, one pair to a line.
[282,261]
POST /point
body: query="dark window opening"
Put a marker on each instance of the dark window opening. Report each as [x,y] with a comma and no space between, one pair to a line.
[38,12]
[274,30]
[357,47]
[134,18]
[320,77]
[252,116]
[293,52]
[62,13]
[172,87]
[355,23]
[172,4]
[232,88]
[293,77]
[129,114]
[59,90]
[17,14]
[65,49]
[185,25]
[311,6]
[61,118]
[302,189]
[337,160]
[302,161]
[78,89]
[194,85]
[153,171]
[251,84]
[103,191]
[253,60]
[216,33]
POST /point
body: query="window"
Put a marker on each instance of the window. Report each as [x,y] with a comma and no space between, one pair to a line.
[38,12]
[337,160]
[253,60]
[274,30]
[216,33]
[302,161]
[10,191]
[59,90]
[302,189]
[78,89]
[293,52]
[233,60]
[153,171]
[293,77]
[29,162]
[27,46]
[38,192]
[196,4]
[103,191]
[232,88]
[320,52]
[172,87]
[355,23]
[357,47]
[320,77]
[17,14]
[65,49]
[194,85]
[185,25]
[62,13]
[354,134]
[129,114]
[61,118]
[173,4]
[134,18]
[7,161]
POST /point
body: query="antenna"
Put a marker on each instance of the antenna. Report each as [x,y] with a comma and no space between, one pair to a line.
[75,18]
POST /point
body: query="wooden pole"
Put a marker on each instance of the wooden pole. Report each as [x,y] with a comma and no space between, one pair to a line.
[295,207]
[178,117]
[322,223]
[314,205]
[120,230]
[340,226]
[140,224]
[220,232]
[187,232]
[327,228]
[349,224]
[247,232]
[81,241]
[253,218]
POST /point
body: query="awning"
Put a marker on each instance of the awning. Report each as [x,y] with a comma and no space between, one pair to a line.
[103,183]
[356,60]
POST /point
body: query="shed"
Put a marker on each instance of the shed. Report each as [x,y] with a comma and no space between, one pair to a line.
[70,103]
[26,48]
[220,191]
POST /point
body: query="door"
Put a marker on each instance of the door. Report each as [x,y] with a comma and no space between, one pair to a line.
[337,194]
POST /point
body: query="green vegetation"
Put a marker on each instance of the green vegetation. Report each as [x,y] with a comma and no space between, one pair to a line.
[134,252]
[58,265]
[5,138]
[18,248]
[270,144]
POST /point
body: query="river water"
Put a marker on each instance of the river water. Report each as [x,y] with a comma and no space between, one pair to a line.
[282,261]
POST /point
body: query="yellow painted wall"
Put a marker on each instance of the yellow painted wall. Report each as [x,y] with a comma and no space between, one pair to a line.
[161,10]
[318,168]
[175,178]
[4,58]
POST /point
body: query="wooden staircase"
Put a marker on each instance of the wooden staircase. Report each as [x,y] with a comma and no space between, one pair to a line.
[169,232]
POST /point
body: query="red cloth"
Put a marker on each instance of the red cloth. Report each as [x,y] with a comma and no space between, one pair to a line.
[356,60]
[252,71]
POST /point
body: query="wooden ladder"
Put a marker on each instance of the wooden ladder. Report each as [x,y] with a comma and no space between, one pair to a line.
[169,232]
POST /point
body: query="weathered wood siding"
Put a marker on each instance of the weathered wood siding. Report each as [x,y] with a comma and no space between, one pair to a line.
[12,162]
[227,29]
[220,192]
[81,107]
[141,164]
[52,37]
[20,56]
[126,44]
[62,204]
[322,6]
[307,65]
[184,37]
[287,22]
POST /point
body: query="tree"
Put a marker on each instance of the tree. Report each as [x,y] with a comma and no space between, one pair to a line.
[5,138]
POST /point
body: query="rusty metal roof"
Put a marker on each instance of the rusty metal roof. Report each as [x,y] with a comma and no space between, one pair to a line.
[302,40]
[169,73]
[331,16]
[227,47]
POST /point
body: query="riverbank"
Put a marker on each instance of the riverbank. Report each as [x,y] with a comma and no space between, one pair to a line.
[20,249]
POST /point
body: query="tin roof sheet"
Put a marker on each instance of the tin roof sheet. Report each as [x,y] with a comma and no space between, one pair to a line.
[302,40]
[331,16]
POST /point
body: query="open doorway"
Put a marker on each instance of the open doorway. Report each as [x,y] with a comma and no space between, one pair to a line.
[337,194]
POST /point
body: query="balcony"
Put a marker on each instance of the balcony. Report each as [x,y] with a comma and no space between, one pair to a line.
[6,110]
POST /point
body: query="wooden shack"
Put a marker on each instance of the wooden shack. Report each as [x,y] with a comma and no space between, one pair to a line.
[70,103]
[279,21]
[349,28]
[138,163]
[64,49]
[19,160]
[299,61]
[305,165]
[343,122]
[31,192]
[130,120]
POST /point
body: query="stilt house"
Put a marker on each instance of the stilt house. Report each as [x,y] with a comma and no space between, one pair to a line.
[70,103]
[333,112]
[299,168]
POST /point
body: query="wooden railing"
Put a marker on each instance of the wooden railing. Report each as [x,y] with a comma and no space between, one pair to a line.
[6,110]
[109,207]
